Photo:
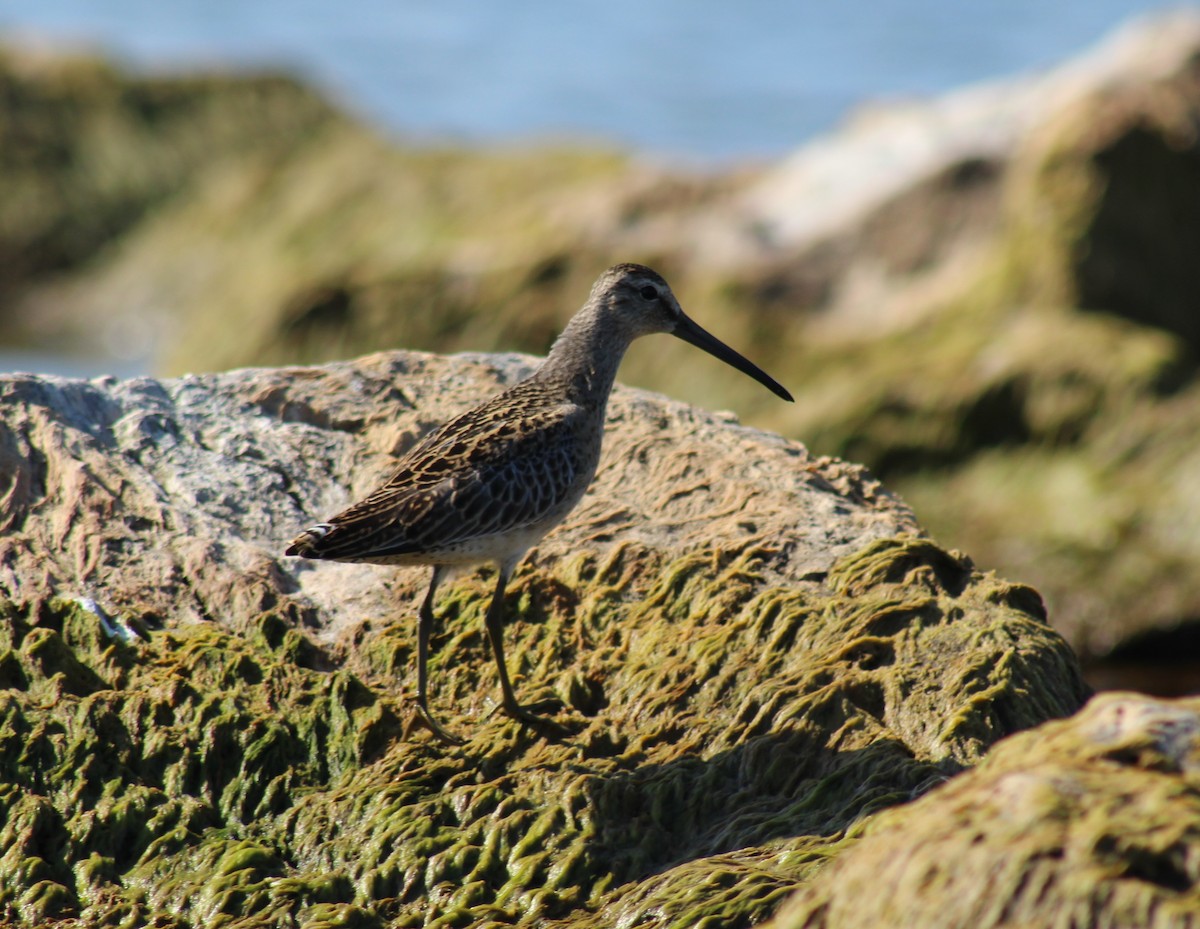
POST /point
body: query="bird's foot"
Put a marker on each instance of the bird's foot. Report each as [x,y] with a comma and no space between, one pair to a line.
[426,719]
[542,725]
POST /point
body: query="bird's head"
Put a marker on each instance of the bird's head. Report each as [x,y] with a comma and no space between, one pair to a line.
[637,299]
[640,302]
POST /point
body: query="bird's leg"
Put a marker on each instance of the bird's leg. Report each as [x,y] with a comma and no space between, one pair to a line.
[424,628]
[495,630]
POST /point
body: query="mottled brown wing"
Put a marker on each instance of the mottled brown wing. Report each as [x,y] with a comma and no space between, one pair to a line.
[481,474]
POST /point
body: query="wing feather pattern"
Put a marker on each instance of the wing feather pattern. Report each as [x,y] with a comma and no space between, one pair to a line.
[496,469]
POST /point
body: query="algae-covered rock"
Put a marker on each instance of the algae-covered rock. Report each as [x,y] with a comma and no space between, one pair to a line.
[1030,388]
[1101,205]
[204,221]
[986,296]
[130,756]
[1077,408]
[90,151]
[751,649]
[1092,821]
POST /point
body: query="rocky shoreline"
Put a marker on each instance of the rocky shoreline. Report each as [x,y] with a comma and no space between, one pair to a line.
[987,297]
[792,699]
[755,651]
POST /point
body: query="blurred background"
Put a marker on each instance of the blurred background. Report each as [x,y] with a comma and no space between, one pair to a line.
[965,238]
[691,81]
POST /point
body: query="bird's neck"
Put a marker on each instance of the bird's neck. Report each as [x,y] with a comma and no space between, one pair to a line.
[586,355]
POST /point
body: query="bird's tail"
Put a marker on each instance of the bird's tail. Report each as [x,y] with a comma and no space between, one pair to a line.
[308,543]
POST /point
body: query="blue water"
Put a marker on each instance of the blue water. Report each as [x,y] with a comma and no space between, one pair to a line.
[697,79]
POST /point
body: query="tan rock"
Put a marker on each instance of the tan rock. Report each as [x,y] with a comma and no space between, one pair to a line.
[177,496]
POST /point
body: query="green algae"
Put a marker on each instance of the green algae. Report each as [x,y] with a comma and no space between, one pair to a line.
[1090,821]
[121,756]
[728,735]
[92,152]
[731,717]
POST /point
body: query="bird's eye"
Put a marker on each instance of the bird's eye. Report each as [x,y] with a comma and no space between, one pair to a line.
[649,293]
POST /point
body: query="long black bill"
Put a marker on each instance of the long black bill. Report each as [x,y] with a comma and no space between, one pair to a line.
[691,332]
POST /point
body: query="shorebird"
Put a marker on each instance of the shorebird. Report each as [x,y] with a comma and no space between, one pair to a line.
[489,484]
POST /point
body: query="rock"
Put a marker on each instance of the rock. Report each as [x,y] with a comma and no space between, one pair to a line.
[176,497]
[1053,431]
[1026,376]
[930,275]
[889,149]
[1101,204]
[90,153]
[753,648]
[1092,821]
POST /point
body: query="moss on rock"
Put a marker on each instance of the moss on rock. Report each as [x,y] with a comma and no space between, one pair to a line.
[123,760]
[89,151]
[1092,821]
[727,732]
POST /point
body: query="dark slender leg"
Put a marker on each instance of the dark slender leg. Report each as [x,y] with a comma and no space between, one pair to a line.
[495,630]
[424,628]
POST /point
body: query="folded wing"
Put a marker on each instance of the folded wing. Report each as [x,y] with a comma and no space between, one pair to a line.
[479,475]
